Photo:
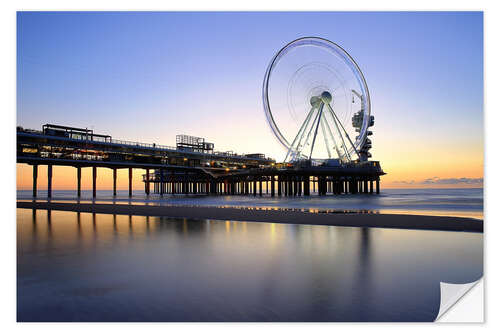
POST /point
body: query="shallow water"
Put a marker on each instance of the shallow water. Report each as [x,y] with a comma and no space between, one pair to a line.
[97,267]
[444,202]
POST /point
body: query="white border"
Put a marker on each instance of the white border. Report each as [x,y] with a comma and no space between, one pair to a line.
[492,163]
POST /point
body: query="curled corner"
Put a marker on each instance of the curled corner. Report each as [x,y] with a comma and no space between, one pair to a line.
[451,293]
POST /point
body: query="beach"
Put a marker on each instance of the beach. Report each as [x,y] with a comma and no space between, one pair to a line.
[287,216]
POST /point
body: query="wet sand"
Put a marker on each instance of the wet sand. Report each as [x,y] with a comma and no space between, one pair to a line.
[275,216]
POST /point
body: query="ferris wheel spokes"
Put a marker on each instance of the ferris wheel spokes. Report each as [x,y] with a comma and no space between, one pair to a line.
[323,120]
[317,117]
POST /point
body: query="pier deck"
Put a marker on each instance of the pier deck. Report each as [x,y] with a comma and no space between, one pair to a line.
[192,167]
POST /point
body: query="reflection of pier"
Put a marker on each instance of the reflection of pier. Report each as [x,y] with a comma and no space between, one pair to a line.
[192,167]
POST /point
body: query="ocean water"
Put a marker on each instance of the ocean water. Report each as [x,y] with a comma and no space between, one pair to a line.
[447,202]
[102,267]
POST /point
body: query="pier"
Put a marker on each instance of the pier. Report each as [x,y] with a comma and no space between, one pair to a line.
[191,167]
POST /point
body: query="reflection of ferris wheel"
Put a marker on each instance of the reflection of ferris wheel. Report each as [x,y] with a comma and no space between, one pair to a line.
[317,103]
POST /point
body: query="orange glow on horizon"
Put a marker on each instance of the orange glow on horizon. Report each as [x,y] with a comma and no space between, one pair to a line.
[64,178]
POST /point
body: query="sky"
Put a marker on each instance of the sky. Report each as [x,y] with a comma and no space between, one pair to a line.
[148,76]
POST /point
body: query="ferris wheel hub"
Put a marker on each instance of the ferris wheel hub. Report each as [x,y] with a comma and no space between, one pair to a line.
[315,100]
[326,97]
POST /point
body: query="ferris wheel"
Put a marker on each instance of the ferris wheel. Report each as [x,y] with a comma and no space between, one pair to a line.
[317,102]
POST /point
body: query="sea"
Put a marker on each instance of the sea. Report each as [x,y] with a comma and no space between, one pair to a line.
[437,202]
[88,267]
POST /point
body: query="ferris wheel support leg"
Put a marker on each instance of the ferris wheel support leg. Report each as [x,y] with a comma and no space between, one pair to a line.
[300,133]
[332,137]
[322,121]
[320,112]
[346,151]
[303,143]
[347,135]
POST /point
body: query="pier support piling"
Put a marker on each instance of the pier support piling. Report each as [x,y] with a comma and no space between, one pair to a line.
[114,181]
[94,181]
[307,186]
[147,182]
[279,186]
[129,182]
[49,181]
[35,178]
[162,181]
[78,181]
[272,186]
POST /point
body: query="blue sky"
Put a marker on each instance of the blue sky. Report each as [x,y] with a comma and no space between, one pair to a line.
[149,76]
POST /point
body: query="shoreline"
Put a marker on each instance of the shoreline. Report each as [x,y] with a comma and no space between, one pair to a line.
[371,220]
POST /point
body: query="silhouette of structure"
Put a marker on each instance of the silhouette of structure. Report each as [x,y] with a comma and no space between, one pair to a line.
[192,167]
